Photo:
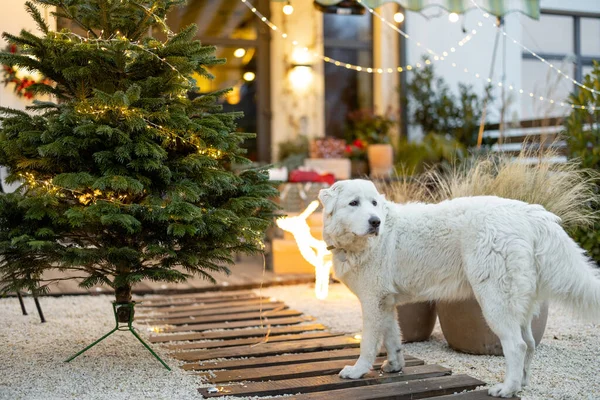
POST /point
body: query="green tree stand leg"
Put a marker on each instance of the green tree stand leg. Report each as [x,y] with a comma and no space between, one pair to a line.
[129,328]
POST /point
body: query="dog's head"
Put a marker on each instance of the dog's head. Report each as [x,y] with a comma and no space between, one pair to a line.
[352,209]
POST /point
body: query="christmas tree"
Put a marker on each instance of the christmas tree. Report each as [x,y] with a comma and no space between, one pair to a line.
[124,177]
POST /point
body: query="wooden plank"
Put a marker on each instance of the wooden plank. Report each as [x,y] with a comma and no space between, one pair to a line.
[269,349]
[407,390]
[476,395]
[324,383]
[250,341]
[344,354]
[224,310]
[227,317]
[207,295]
[209,306]
[237,334]
[239,324]
[276,373]
[184,302]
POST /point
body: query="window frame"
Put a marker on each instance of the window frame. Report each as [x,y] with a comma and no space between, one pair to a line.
[580,60]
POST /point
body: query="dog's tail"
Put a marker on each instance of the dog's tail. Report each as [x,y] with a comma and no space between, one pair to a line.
[566,273]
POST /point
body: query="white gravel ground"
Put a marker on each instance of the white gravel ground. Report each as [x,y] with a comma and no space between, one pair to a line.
[566,365]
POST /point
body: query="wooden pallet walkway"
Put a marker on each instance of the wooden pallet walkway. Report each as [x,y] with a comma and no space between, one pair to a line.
[262,348]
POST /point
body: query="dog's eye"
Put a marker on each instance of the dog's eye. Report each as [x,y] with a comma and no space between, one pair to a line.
[354,203]
[375,203]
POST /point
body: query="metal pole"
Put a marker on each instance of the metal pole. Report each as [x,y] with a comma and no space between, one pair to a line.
[39,308]
[487,96]
[22,303]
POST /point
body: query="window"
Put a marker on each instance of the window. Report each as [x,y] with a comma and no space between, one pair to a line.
[349,39]
[243,40]
[570,43]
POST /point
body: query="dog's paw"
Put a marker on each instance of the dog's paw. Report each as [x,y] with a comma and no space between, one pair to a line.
[353,372]
[387,366]
[503,390]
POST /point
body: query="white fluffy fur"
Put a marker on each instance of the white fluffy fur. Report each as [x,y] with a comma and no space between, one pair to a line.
[508,254]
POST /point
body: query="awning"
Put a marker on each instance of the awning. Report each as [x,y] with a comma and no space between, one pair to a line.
[499,8]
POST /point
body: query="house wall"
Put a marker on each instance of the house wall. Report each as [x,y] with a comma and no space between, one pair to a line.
[435,30]
[296,109]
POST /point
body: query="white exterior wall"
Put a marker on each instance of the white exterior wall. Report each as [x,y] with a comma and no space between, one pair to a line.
[296,111]
[440,34]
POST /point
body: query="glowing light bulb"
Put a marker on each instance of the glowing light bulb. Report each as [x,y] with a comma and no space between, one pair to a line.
[453,17]
[239,53]
[288,9]
[249,76]
[399,17]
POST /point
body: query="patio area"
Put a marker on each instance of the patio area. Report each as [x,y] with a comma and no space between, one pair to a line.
[120,368]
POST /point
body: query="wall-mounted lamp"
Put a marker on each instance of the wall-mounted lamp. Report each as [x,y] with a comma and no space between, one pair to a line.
[301,76]
[288,9]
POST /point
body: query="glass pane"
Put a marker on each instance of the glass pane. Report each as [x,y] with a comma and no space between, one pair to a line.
[590,36]
[215,19]
[552,34]
[586,70]
[346,90]
[347,27]
[539,79]
[239,73]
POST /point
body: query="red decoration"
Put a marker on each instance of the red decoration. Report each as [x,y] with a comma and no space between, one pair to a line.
[22,85]
[311,176]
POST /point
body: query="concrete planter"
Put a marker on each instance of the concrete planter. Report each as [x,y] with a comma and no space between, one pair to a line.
[465,328]
[416,321]
[381,160]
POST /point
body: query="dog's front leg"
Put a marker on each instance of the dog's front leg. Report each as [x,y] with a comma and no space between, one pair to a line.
[371,339]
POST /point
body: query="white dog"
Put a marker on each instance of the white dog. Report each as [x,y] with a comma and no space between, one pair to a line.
[507,254]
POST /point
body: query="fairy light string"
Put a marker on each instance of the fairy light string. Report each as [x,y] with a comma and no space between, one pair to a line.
[537,56]
[360,68]
[410,67]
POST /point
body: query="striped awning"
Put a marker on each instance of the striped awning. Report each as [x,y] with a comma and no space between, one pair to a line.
[498,8]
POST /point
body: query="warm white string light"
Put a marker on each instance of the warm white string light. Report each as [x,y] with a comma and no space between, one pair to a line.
[360,68]
[121,39]
[540,58]
[409,67]
[498,83]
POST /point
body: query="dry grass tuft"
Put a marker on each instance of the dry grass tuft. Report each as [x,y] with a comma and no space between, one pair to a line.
[564,189]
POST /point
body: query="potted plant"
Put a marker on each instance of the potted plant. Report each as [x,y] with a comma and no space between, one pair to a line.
[374,130]
[563,189]
[357,153]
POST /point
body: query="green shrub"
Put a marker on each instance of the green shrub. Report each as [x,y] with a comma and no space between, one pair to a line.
[583,141]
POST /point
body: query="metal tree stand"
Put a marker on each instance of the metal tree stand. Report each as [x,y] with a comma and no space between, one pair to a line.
[37,305]
[116,308]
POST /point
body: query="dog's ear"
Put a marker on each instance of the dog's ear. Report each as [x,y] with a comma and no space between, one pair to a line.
[328,199]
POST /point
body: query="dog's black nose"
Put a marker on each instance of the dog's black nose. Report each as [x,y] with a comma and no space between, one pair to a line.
[374,222]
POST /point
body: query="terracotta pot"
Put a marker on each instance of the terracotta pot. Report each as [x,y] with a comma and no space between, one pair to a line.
[416,321]
[381,160]
[465,328]
[359,168]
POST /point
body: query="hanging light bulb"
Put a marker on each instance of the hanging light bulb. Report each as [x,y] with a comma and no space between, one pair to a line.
[239,53]
[288,9]
[453,17]
[399,17]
